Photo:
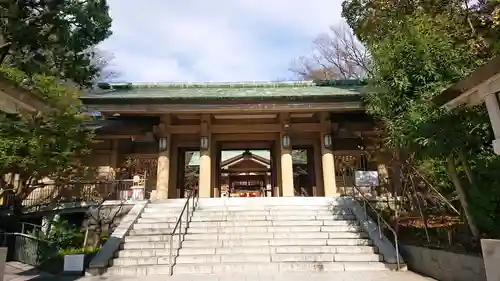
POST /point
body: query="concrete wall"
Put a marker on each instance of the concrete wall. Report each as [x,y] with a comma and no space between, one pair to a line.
[102,220]
[3,260]
[491,254]
[442,265]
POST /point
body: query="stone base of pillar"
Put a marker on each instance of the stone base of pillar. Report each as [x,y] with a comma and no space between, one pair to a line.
[153,195]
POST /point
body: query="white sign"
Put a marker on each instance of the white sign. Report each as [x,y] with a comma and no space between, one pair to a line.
[73,263]
[366,178]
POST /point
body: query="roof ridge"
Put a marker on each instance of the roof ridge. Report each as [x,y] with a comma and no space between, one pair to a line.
[176,85]
[225,85]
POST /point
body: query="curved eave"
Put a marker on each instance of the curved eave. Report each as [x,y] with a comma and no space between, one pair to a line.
[216,100]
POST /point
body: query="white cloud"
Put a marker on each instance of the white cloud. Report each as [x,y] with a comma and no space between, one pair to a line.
[217,40]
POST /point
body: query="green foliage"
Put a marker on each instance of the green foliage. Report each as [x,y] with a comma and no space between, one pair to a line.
[55,264]
[418,49]
[74,251]
[65,235]
[47,144]
[55,37]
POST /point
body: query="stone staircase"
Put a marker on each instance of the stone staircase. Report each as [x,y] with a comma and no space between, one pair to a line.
[146,248]
[250,236]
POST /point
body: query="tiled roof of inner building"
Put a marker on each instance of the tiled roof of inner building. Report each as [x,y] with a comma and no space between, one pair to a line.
[293,89]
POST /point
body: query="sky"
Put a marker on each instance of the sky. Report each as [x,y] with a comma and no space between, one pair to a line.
[214,40]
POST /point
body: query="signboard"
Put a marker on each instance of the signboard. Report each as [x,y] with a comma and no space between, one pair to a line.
[366,178]
[73,263]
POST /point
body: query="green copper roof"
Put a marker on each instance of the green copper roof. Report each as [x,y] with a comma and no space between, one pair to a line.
[242,90]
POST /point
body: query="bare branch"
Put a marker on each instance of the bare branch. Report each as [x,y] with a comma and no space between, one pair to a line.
[335,55]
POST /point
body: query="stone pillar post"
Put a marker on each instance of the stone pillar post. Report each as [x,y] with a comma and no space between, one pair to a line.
[163,166]
[286,157]
[327,158]
[205,178]
[492,105]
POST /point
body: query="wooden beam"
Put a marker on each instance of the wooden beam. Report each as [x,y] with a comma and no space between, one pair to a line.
[305,127]
[242,137]
[240,128]
[250,128]
[267,144]
[149,109]
[184,129]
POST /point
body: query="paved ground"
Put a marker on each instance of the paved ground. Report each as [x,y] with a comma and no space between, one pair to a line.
[15,271]
[336,276]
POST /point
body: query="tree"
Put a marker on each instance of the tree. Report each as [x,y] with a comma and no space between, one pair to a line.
[54,37]
[42,145]
[101,220]
[336,55]
[417,50]
[101,61]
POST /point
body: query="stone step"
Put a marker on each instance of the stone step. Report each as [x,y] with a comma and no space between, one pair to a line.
[173,211]
[274,235]
[245,243]
[164,217]
[251,250]
[271,201]
[276,242]
[237,230]
[335,221]
[209,237]
[271,218]
[232,268]
[239,258]
[246,268]
[270,207]
[148,225]
[252,229]
[145,245]
[151,238]
[155,231]
[270,213]
[157,219]
[280,250]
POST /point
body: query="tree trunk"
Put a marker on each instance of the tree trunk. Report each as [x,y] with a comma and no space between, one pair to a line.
[468,171]
[452,173]
[396,167]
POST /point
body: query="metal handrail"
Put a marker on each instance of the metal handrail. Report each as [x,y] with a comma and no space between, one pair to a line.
[34,226]
[380,219]
[193,197]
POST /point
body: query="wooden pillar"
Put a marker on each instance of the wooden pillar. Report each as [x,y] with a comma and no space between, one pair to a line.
[114,158]
[311,173]
[327,158]
[286,158]
[177,167]
[491,102]
[163,172]
[276,172]
[318,169]
[215,176]
[205,180]
[492,105]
